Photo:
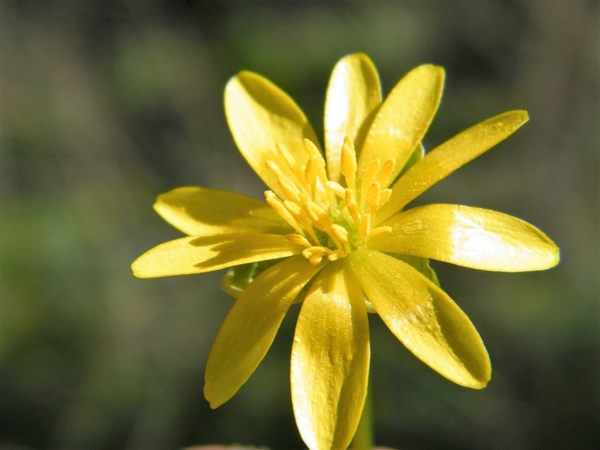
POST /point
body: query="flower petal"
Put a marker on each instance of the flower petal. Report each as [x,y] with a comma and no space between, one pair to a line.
[199,254]
[250,327]
[330,359]
[423,318]
[197,211]
[403,119]
[470,237]
[261,116]
[353,96]
[449,156]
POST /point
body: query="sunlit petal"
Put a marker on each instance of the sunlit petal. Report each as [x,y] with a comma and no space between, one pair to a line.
[197,211]
[251,325]
[423,318]
[261,116]
[403,119]
[330,359]
[449,156]
[199,254]
[470,237]
[353,96]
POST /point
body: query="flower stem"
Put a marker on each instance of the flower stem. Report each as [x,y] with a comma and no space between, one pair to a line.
[363,438]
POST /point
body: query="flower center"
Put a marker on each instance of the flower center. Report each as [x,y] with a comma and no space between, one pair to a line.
[330,219]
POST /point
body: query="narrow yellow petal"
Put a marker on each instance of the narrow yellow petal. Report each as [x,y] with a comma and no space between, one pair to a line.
[330,359]
[470,237]
[423,318]
[403,119]
[250,327]
[353,97]
[262,116]
[451,155]
[197,211]
[199,254]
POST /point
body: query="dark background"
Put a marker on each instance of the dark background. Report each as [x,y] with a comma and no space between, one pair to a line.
[106,104]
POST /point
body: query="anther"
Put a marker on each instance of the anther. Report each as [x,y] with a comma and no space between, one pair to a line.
[276,203]
[285,154]
[319,217]
[367,180]
[379,231]
[335,255]
[298,239]
[384,173]
[373,197]
[348,163]
[384,196]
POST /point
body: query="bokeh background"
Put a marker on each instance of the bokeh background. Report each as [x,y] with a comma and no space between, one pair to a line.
[106,104]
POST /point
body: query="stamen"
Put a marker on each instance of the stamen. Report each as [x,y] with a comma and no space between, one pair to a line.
[335,255]
[311,175]
[289,188]
[315,254]
[339,232]
[378,232]
[384,196]
[352,206]
[276,203]
[365,226]
[302,219]
[348,163]
[318,172]
[384,173]
[367,180]
[319,217]
[286,155]
[339,235]
[311,149]
[298,239]
[293,208]
[373,197]
[337,189]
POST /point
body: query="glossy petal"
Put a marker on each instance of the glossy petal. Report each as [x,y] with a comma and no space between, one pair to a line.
[261,116]
[403,119]
[251,325]
[353,97]
[199,254]
[423,318]
[201,211]
[449,156]
[470,237]
[330,359]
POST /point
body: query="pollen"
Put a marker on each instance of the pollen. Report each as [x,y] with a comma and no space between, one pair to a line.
[330,218]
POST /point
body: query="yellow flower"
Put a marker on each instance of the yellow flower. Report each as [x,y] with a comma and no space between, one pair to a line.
[334,236]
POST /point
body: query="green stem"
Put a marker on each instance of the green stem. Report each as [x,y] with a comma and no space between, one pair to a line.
[363,438]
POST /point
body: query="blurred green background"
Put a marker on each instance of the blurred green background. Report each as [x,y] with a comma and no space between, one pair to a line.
[106,104]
